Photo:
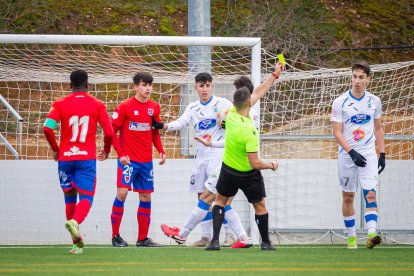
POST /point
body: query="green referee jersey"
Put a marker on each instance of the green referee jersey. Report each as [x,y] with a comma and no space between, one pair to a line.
[241,138]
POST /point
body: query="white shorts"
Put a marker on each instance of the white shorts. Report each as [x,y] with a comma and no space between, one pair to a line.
[350,174]
[205,171]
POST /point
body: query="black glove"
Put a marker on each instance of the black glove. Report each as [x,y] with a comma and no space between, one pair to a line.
[223,124]
[156,124]
[357,158]
[381,162]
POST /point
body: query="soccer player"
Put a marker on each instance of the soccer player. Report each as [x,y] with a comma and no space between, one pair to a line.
[356,123]
[78,114]
[204,115]
[241,165]
[134,118]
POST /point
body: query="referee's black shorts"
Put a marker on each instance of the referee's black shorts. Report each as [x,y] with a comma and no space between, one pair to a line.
[250,182]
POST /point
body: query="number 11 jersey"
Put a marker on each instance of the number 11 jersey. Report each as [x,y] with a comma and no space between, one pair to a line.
[79,114]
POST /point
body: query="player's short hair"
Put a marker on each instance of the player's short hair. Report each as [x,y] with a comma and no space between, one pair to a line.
[241,97]
[203,77]
[142,76]
[363,65]
[244,81]
[79,78]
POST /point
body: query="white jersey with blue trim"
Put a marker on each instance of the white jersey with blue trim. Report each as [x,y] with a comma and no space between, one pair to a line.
[205,119]
[357,117]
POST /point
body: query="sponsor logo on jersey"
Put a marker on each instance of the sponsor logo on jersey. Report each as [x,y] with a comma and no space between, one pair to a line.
[115,115]
[207,123]
[360,119]
[75,151]
[135,126]
[359,134]
[150,111]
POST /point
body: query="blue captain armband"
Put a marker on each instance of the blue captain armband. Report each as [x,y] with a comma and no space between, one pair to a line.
[50,123]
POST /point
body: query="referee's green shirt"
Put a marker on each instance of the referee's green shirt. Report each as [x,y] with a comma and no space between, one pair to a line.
[241,138]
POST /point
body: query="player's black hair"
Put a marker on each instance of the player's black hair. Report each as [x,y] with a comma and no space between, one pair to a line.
[241,97]
[203,77]
[142,76]
[244,81]
[79,79]
[363,65]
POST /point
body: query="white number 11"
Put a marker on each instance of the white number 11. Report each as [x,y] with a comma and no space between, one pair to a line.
[75,122]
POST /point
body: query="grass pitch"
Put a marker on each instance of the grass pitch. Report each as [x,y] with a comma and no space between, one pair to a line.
[179,260]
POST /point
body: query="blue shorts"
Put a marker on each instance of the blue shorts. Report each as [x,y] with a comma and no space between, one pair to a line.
[79,174]
[136,176]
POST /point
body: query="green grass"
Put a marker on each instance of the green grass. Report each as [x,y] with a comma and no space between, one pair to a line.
[177,260]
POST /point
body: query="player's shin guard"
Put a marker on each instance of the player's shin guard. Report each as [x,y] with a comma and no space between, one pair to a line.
[70,204]
[144,219]
[263,224]
[371,218]
[83,207]
[199,214]
[350,226]
[116,216]
[234,222]
[218,217]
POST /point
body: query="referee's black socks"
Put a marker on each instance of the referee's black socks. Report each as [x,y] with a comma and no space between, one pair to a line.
[218,217]
[263,224]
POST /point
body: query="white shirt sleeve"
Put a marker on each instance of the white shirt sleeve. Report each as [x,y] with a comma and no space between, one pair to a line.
[217,144]
[336,114]
[378,110]
[181,122]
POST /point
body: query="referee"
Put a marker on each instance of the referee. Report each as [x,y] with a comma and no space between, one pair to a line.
[241,164]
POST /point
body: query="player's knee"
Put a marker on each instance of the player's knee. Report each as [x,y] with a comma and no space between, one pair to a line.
[348,198]
[144,196]
[370,198]
[260,207]
[121,194]
[207,197]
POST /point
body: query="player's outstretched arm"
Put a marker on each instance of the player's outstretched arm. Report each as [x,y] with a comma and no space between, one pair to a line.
[261,90]
[180,123]
[213,144]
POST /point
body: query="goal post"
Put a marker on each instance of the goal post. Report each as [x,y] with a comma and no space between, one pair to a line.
[34,71]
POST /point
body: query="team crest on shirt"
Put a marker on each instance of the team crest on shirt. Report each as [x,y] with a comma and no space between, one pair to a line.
[136,113]
[127,178]
[207,123]
[215,109]
[150,111]
[360,119]
[369,104]
[115,115]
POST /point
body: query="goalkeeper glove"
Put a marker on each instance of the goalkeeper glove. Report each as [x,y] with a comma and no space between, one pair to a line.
[156,124]
[223,124]
[357,158]
[381,162]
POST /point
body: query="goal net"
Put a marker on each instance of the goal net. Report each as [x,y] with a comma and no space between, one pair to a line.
[302,197]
